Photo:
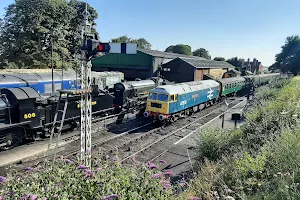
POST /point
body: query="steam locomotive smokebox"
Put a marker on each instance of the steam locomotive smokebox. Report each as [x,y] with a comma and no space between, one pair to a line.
[22,105]
[236,116]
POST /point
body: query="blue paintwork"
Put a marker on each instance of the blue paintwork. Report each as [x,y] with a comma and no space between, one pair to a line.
[38,85]
[191,99]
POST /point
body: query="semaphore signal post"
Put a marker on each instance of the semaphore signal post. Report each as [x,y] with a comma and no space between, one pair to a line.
[91,46]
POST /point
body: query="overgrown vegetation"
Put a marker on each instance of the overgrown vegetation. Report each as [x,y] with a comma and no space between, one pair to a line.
[261,159]
[69,180]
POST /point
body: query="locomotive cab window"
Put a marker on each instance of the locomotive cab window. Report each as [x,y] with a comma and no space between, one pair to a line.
[173,98]
[152,96]
[162,97]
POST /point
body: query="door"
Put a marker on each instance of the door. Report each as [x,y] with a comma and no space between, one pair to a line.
[173,104]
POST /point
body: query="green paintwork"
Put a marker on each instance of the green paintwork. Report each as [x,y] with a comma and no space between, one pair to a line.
[114,59]
[228,90]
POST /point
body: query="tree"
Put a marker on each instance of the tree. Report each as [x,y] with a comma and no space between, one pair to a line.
[237,62]
[29,26]
[219,59]
[288,60]
[141,42]
[180,49]
[170,49]
[201,52]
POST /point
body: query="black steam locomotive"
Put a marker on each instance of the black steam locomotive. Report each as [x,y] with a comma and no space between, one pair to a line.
[25,114]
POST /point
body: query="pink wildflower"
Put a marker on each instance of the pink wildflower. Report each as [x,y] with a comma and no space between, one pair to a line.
[82,167]
[194,198]
[155,176]
[112,196]
[169,173]
[163,161]
[33,197]
[152,166]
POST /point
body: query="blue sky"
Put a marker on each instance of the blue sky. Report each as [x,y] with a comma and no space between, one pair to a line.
[226,28]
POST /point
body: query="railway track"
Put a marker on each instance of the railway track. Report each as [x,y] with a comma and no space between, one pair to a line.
[140,140]
[149,145]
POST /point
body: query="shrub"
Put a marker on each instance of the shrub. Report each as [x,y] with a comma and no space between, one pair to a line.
[70,181]
[213,143]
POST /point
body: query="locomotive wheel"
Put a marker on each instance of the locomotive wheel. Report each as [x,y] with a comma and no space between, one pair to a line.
[11,139]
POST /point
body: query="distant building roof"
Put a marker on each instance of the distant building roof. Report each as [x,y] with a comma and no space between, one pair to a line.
[235,71]
[200,63]
[167,54]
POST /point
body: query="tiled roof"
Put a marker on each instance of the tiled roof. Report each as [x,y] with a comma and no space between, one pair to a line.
[167,54]
[198,63]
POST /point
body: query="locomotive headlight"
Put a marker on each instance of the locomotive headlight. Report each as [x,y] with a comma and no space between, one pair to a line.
[146,114]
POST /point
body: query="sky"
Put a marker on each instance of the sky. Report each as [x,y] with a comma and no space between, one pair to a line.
[226,28]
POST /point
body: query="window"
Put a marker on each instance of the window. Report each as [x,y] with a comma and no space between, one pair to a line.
[152,96]
[172,98]
[162,97]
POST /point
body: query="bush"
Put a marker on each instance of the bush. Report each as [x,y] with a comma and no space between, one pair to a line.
[68,180]
[213,143]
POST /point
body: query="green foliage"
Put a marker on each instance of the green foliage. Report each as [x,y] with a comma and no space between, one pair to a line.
[180,49]
[71,181]
[201,52]
[269,167]
[288,60]
[237,62]
[27,29]
[219,59]
[141,42]
[247,165]
[212,144]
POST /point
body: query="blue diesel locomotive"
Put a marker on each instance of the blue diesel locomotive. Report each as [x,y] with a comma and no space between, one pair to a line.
[171,101]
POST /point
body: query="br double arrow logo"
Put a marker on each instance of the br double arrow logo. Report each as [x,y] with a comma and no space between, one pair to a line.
[210,94]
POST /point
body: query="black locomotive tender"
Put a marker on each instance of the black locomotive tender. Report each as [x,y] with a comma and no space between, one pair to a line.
[25,114]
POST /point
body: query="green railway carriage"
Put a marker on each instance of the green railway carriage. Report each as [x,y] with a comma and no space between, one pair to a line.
[232,85]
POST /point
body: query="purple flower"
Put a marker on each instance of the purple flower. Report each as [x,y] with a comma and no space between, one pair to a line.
[44,198]
[163,161]
[2,179]
[152,166]
[194,198]
[69,161]
[112,196]
[55,196]
[82,167]
[155,176]
[25,197]
[89,150]
[33,197]
[88,173]
[98,169]
[27,169]
[169,173]
[1,197]
[166,186]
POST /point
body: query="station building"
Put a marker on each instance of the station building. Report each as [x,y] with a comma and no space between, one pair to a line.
[184,69]
[147,63]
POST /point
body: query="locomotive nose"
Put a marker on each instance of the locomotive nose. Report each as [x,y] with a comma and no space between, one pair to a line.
[146,114]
